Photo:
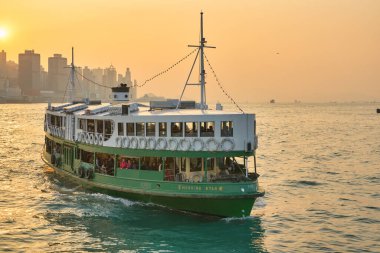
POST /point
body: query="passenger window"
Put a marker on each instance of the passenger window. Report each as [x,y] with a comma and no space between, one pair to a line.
[195,164]
[226,129]
[82,124]
[105,164]
[99,126]
[140,129]
[120,129]
[108,129]
[177,129]
[150,129]
[130,129]
[90,125]
[207,129]
[191,129]
[162,129]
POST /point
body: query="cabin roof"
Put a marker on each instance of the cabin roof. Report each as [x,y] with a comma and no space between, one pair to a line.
[182,112]
[145,111]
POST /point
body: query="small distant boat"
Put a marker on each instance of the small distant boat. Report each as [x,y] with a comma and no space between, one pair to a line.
[178,154]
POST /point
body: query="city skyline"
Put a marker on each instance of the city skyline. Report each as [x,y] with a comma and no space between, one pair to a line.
[28,81]
[299,50]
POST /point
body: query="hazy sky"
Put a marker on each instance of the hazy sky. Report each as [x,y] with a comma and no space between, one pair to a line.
[321,50]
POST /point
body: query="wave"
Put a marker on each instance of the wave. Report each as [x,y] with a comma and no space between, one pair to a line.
[296,183]
[123,201]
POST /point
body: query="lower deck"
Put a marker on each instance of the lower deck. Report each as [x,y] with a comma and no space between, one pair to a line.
[186,183]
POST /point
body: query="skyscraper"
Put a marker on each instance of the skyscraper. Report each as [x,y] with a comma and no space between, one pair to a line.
[110,76]
[3,64]
[29,73]
[58,73]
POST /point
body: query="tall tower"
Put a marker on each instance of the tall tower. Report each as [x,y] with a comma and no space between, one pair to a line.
[128,78]
[29,73]
[110,76]
[57,73]
[3,64]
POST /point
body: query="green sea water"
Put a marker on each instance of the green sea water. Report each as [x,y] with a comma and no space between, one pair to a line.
[319,164]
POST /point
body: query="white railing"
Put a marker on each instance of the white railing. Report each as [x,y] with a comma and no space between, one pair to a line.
[90,138]
[56,131]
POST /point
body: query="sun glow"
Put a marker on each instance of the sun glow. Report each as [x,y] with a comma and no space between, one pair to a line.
[3,33]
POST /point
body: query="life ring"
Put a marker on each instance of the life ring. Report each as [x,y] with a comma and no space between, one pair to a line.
[79,137]
[89,173]
[173,144]
[87,137]
[198,144]
[125,142]
[185,144]
[91,138]
[151,143]
[212,144]
[134,142]
[161,143]
[142,143]
[118,140]
[197,178]
[100,139]
[96,139]
[227,144]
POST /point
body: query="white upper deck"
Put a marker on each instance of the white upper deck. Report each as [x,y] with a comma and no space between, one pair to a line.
[133,125]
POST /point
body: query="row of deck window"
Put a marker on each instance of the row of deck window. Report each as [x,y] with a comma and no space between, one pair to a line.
[104,127]
[54,120]
[177,129]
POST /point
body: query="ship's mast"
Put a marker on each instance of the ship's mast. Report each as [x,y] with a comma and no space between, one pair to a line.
[72,77]
[202,67]
[202,72]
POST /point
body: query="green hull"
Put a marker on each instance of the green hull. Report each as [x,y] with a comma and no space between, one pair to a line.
[224,199]
[223,205]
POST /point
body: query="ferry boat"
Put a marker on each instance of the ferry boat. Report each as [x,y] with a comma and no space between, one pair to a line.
[174,153]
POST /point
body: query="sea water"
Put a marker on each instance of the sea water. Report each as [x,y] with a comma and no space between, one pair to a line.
[319,164]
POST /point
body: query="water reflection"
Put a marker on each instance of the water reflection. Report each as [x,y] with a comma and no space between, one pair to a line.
[101,222]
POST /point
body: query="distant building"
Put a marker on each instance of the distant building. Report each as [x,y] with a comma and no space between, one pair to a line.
[44,76]
[120,79]
[128,77]
[109,78]
[12,74]
[100,92]
[3,64]
[89,86]
[29,74]
[58,74]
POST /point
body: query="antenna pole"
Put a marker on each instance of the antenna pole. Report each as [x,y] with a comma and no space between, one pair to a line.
[202,72]
[202,67]
[72,77]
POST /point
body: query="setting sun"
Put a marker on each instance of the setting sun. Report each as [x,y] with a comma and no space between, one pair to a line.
[3,33]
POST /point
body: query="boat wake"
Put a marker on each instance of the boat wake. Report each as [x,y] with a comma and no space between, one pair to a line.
[232,219]
[107,198]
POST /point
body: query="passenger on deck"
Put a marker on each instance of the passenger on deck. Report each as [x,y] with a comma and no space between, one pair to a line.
[110,165]
[123,164]
[129,164]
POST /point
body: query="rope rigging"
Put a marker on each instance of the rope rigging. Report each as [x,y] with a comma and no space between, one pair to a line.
[146,81]
[220,85]
[166,70]
[99,84]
